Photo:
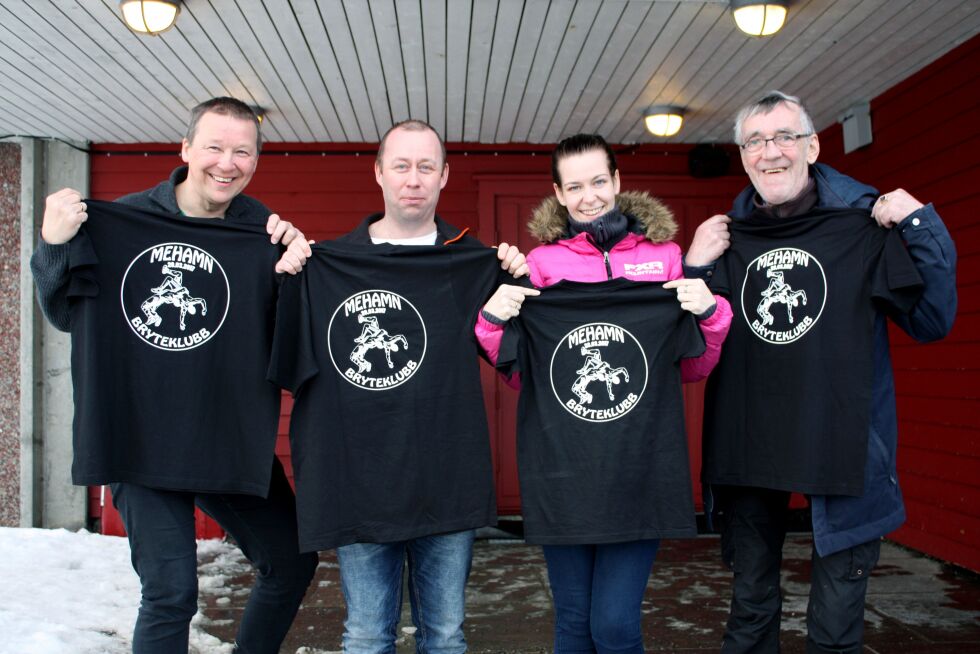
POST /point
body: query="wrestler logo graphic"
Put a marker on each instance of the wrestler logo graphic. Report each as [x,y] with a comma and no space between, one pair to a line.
[783,295]
[174,296]
[376,340]
[598,372]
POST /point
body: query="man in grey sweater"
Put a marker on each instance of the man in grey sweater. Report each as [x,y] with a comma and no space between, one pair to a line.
[220,151]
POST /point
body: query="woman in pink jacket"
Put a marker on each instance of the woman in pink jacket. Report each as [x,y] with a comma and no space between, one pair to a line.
[591,232]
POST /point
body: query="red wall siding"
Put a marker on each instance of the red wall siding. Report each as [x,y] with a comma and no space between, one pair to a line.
[926,140]
[326,189]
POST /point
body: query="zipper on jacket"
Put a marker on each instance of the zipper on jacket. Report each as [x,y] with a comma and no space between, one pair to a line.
[605,258]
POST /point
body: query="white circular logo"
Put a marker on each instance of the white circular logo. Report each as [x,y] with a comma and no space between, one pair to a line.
[783,294]
[595,374]
[174,296]
[376,340]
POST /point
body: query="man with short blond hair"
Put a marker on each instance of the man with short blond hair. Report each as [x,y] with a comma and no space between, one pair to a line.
[412,170]
[389,433]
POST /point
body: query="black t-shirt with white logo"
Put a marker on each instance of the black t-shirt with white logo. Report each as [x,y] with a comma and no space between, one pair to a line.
[389,433]
[788,406]
[172,322]
[601,443]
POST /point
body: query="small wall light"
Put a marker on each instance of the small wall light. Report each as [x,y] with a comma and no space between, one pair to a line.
[856,126]
[664,120]
[258,111]
[759,17]
[150,16]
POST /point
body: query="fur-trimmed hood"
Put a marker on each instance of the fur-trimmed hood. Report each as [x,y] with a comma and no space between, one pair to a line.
[646,215]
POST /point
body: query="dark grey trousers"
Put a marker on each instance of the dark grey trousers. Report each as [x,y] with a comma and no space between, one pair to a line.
[753,528]
[160,526]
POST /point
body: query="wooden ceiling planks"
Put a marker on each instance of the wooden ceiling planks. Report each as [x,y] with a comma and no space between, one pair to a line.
[434,43]
[269,46]
[590,24]
[154,78]
[303,63]
[483,22]
[370,114]
[666,79]
[212,38]
[500,67]
[489,71]
[26,33]
[549,41]
[523,57]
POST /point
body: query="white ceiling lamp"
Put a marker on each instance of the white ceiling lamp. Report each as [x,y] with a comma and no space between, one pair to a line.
[759,17]
[150,16]
[663,119]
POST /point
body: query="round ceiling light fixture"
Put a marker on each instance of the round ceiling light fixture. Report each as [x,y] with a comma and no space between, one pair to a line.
[759,17]
[149,16]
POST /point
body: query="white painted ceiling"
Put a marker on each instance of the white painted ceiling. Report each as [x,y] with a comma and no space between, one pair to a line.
[492,71]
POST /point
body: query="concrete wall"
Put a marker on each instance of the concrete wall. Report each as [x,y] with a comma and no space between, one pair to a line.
[47,496]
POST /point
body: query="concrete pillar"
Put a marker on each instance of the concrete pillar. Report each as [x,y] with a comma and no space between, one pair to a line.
[48,498]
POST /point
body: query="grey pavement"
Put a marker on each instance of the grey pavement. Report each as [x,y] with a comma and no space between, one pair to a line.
[915,605]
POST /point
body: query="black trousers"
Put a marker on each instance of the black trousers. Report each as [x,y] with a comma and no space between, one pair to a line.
[160,527]
[754,524]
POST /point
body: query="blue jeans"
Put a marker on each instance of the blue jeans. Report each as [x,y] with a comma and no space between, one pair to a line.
[598,591]
[160,526]
[371,577]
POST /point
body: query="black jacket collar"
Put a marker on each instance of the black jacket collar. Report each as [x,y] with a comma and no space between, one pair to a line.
[444,231]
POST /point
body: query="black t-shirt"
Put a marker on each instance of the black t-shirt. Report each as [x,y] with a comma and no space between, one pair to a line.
[389,432]
[172,323]
[601,444]
[788,406]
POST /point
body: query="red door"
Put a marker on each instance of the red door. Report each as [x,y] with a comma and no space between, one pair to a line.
[505,206]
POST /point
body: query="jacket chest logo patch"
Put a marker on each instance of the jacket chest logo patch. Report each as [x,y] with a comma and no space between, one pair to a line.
[595,372]
[376,340]
[174,296]
[783,295]
[643,269]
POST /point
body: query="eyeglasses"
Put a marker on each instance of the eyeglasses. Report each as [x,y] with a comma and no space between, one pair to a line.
[783,140]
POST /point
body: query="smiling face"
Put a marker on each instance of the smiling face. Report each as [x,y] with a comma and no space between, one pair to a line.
[587,189]
[778,175]
[220,160]
[411,174]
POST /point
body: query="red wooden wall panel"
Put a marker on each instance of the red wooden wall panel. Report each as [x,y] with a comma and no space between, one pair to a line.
[926,140]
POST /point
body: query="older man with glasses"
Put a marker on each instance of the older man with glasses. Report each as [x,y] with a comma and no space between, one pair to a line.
[803,399]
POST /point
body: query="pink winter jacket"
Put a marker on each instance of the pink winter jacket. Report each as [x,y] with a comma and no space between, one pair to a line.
[650,257]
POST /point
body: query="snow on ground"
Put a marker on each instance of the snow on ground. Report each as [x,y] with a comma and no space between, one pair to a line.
[65,592]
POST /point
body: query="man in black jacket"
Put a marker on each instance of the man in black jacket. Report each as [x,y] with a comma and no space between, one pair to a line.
[220,150]
[411,170]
